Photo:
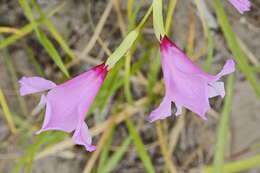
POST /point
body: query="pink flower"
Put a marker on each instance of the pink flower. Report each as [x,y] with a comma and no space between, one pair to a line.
[241,5]
[68,103]
[186,84]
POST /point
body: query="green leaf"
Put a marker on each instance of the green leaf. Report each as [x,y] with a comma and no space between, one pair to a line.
[7,112]
[158,19]
[27,29]
[238,166]
[116,157]
[54,32]
[52,52]
[46,43]
[223,127]
[122,48]
[140,147]
[105,151]
[208,62]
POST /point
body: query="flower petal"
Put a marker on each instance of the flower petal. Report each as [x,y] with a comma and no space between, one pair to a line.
[191,92]
[81,136]
[216,89]
[163,111]
[241,5]
[179,109]
[29,85]
[229,67]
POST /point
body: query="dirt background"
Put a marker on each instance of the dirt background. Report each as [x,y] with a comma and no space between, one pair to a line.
[73,22]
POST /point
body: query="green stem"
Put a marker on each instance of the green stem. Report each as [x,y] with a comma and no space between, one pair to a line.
[238,166]
[223,128]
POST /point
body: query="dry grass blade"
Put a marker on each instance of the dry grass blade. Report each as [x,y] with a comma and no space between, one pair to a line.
[100,145]
[98,30]
[248,53]
[176,131]
[7,112]
[165,152]
[6,29]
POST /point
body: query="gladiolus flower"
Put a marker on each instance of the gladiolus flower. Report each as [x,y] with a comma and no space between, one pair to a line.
[186,84]
[241,5]
[68,103]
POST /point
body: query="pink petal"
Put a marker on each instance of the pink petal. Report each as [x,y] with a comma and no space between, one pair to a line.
[68,103]
[186,84]
[163,111]
[190,91]
[229,67]
[29,85]
[43,100]
[241,5]
[81,136]
[216,89]
[179,109]
[63,101]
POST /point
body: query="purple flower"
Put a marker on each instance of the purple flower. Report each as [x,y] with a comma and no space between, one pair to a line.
[68,103]
[186,84]
[241,5]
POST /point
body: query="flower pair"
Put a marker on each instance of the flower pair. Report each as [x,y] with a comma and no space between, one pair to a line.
[67,104]
[186,85]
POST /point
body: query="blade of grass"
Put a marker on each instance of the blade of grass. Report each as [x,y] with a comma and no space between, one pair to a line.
[46,43]
[140,146]
[53,52]
[32,58]
[14,79]
[234,46]
[223,127]
[130,7]
[210,46]
[105,151]
[56,35]
[7,113]
[47,138]
[116,157]
[158,25]
[6,29]
[164,148]
[122,48]
[127,43]
[90,163]
[169,15]
[30,152]
[238,166]
[256,69]
[28,28]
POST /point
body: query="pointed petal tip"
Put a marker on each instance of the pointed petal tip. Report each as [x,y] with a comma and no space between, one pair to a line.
[30,85]
[152,118]
[90,148]
[204,117]
[241,5]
